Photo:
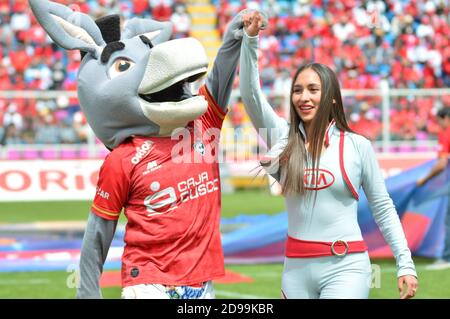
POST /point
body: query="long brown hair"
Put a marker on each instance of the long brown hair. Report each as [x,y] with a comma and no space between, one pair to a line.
[294,157]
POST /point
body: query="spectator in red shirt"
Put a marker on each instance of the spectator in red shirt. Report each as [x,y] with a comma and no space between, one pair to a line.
[5,81]
[140,7]
[20,59]
[365,123]
[443,116]
[162,12]
[440,166]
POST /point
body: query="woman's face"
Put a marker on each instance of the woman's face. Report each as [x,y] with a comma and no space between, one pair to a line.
[306,95]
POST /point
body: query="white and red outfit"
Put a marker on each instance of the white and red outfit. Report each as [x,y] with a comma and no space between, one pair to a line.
[317,263]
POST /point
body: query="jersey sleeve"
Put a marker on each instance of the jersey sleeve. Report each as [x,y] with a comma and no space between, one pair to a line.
[112,188]
[214,116]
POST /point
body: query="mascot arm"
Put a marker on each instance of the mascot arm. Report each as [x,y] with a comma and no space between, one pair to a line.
[96,242]
[221,78]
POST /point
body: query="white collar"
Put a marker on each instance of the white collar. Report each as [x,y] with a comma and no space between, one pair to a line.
[328,132]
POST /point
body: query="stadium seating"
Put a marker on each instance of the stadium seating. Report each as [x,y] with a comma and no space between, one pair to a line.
[405,42]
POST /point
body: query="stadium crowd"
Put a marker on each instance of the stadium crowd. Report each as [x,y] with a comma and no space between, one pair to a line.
[399,43]
[29,60]
[402,43]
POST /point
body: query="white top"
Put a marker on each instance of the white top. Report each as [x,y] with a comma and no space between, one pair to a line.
[333,216]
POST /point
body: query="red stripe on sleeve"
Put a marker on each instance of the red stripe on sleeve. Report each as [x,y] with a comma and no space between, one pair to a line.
[341,164]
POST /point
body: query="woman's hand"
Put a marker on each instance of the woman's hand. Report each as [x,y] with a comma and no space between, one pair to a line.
[253,22]
[411,286]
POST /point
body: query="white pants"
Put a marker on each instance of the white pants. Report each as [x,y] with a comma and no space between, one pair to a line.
[332,277]
[157,291]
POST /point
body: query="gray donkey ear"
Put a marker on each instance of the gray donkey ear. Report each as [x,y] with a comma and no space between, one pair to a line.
[155,31]
[70,29]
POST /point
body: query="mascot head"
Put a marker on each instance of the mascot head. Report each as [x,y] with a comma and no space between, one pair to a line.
[132,80]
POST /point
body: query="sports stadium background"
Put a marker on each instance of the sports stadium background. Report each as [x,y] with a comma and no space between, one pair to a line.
[393,61]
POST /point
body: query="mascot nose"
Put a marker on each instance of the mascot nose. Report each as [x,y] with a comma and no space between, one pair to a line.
[171,62]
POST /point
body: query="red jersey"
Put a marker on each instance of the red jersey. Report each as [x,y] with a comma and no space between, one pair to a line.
[169,188]
[444,142]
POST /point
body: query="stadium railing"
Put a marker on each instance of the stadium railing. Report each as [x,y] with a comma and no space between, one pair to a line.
[243,143]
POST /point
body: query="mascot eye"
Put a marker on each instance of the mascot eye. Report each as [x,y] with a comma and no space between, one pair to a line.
[120,66]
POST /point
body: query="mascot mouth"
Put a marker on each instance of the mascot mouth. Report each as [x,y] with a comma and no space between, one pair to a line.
[177,92]
[174,106]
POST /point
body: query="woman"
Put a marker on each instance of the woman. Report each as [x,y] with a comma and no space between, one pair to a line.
[321,165]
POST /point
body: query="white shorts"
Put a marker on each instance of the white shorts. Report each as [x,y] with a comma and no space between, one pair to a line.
[157,291]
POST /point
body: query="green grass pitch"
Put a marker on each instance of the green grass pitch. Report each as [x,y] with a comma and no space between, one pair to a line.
[266,277]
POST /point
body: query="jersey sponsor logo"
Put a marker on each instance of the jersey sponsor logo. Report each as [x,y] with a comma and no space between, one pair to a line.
[316,181]
[163,201]
[142,152]
[193,188]
[151,167]
[102,193]
[199,147]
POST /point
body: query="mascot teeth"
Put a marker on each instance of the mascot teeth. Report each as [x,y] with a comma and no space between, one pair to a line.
[172,62]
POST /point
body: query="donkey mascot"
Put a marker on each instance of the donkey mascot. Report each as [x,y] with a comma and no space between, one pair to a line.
[134,88]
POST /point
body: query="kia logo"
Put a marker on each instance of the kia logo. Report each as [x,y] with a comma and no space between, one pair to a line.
[324,179]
